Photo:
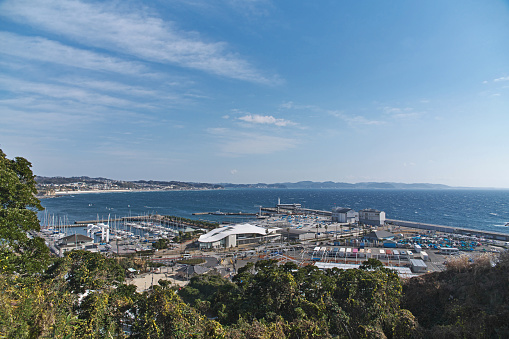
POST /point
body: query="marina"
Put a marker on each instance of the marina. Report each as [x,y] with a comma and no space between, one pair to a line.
[303,224]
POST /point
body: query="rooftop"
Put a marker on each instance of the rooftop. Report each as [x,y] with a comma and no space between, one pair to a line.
[222,232]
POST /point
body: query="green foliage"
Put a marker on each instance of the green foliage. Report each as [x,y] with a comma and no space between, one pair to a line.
[192,222]
[371,264]
[471,302]
[18,216]
[85,270]
[306,302]
[162,314]
[161,244]
[30,308]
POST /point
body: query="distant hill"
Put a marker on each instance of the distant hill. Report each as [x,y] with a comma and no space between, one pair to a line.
[47,185]
[337,185]
[152,184]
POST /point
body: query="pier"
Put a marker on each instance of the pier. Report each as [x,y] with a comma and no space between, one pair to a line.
[288,209]
[226,213]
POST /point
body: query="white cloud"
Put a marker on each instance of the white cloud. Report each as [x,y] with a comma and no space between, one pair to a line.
[64,93]
[401,113]
[350,119]
[43,121]
[355,120]
[292,105]
[233,172]
[502,79]
[123,89]
[110,86]
[360,120]
[133,31]
[266,120]
[36,48]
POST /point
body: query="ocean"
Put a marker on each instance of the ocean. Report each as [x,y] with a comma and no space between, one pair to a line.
[476,209]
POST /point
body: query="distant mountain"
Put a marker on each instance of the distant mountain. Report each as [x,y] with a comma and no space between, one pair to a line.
[336,185]
[259,185]
[87,182]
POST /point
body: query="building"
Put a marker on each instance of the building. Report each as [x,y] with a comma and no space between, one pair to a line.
[379,236]
[234,235]
[371,217]
[418,266]
[297,235]
[74,242]
[344,215]
[189,271]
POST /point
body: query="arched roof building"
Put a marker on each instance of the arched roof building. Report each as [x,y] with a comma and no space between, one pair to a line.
[234,235]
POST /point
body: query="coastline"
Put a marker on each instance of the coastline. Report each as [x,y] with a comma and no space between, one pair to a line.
[67,193]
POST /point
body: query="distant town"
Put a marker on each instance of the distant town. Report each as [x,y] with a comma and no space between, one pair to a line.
[54,186]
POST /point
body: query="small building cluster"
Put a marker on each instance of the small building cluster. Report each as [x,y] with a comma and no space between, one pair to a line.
[366,216]
[284,226]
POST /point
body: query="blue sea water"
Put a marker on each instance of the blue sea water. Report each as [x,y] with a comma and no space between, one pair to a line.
[475,209]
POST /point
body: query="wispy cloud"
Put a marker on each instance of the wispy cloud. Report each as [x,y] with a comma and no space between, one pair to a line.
[136,32]
[120,89]
[44,50]
[501,79]
[401,113]
[355,119]
[265,120]
[235,143]
[47,90]
[348,118]
[292,105]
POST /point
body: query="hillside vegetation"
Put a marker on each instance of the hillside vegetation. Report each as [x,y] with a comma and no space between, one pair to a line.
[85,295]
[468,300]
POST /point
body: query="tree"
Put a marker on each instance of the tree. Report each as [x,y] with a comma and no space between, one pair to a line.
[161,244]
[161,313]
[18,216]
[371,301]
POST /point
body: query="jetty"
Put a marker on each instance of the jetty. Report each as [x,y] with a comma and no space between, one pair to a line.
[225,213]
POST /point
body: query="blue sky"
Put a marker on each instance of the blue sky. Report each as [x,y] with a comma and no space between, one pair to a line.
[258,91]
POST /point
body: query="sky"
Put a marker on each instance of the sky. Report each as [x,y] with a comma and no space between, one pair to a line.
[249,91]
